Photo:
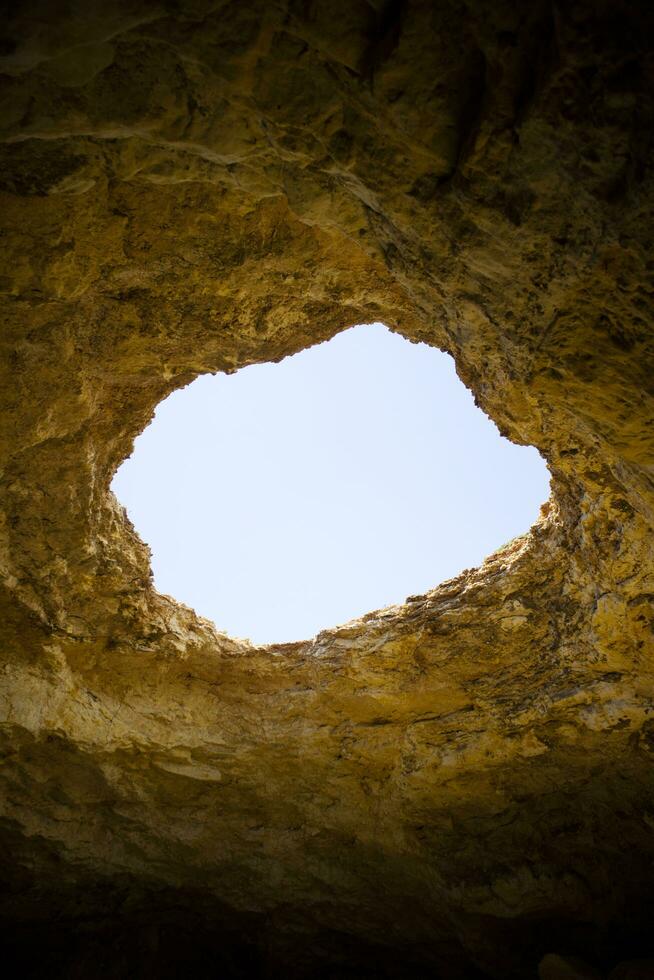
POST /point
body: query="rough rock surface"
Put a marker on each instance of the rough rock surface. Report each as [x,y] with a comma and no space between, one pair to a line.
[454,787]
[554,967]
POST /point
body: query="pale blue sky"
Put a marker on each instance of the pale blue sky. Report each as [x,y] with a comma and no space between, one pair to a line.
[291,497]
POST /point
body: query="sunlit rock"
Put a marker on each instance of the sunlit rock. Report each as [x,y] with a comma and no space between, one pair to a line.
[453,787]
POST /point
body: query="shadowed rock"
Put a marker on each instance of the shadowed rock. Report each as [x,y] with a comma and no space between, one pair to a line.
[453,787]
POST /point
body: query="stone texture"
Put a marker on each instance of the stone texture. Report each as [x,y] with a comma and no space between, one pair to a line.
[633,970]
[449,788]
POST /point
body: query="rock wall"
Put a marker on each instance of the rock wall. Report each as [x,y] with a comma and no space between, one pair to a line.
[453,787]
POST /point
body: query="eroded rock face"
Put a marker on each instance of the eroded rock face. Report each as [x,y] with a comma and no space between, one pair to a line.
[454,787]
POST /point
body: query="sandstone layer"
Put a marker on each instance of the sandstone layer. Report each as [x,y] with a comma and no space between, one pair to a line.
[451,788]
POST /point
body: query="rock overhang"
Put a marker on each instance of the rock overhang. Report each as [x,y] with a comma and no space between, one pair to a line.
[200,187]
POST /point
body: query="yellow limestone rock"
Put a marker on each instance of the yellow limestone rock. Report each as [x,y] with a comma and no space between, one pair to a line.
[452,787]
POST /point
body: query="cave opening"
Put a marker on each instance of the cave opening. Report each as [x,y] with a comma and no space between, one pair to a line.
[290,497]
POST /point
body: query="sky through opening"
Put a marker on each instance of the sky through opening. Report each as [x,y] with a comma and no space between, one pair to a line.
[291,497]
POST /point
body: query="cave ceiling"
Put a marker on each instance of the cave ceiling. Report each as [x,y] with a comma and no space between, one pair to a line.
[451,787]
